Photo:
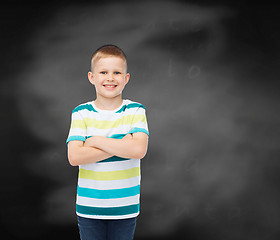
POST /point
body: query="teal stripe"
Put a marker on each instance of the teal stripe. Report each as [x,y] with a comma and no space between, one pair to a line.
[108,211]
[88,107]
[76,138]
[114,159]
[136,129]
[115,136]
[118,136]
[131,105]
[108,194]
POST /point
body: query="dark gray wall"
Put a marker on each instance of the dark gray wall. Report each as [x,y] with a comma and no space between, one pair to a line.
[208,76]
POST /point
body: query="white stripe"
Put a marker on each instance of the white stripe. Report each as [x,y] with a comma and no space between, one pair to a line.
[109,217]
[118,202]
[140,125]
[110,116]
[77,116]
[112,166]
[106,185]
[139,110]
[77,131]
[121,129]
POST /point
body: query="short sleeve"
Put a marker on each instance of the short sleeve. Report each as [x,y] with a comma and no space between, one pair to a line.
[139,121]
[78,128]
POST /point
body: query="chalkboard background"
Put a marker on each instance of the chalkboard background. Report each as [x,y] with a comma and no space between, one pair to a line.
[208,74]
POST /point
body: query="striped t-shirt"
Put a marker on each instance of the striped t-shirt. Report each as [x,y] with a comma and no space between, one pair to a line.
[108,189]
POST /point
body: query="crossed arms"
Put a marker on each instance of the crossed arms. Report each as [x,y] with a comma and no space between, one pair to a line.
[98,148]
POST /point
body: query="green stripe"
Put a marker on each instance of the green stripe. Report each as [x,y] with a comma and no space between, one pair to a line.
[108,194]
[107,124]
[110,175]
[131,105]
[108,211]
[88,107]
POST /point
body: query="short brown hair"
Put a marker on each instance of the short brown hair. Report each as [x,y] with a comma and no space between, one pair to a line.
[106,51]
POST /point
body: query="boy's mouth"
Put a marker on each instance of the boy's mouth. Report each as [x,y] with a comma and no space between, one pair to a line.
[110,86]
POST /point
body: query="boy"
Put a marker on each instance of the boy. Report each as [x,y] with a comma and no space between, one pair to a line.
[107,139]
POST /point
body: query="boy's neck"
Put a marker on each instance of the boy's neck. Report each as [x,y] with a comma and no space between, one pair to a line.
[108,104]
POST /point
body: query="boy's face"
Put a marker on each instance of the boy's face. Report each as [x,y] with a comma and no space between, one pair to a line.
[109,77]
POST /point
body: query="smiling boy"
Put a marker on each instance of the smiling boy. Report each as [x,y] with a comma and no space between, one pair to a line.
[107,139]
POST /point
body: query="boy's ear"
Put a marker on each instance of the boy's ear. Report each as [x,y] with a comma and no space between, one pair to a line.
[126,79]
[90,78]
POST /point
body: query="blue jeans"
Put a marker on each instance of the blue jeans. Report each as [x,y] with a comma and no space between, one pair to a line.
[98,229]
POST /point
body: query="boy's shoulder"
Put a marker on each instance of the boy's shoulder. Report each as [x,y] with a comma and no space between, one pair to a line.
[84,106]
[133,103]
[129,104]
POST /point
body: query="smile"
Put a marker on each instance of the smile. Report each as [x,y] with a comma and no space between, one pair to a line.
[109,86]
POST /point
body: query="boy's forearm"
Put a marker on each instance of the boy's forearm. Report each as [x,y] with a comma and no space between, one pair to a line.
[125,148]
[81,154]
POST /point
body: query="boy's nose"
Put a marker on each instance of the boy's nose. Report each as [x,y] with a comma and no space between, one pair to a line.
[110,77]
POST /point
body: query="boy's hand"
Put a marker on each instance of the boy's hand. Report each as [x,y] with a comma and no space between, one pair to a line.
[91,142]
[128,136]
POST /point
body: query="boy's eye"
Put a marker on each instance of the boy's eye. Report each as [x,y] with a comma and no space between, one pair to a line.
[103,72]
[117,73]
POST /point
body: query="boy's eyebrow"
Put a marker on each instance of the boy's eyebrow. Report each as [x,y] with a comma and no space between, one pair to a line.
[113,69]
[116,70]
[105,69]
